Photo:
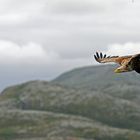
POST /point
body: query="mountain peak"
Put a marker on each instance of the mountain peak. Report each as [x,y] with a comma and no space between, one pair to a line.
[96,77]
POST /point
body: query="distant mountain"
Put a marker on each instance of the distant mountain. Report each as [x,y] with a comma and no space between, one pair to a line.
[89,103]
[103,79]
[97,77]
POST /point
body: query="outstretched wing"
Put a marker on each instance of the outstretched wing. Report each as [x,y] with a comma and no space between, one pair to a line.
[99,57]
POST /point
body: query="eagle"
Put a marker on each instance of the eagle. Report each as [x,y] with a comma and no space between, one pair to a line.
[127,63]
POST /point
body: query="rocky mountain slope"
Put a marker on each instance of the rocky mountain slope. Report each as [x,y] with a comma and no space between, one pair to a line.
[90,103]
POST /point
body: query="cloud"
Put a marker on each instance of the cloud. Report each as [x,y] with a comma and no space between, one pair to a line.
[34,54]
[17,12]
[74,7]
[63,34]
[30,53]
[123,49]
[83,6]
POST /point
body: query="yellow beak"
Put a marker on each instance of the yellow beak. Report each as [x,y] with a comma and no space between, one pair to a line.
[117,71]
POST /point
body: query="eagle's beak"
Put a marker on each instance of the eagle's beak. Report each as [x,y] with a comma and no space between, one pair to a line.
[117,71]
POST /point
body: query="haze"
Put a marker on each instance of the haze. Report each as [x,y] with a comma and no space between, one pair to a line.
[39,39]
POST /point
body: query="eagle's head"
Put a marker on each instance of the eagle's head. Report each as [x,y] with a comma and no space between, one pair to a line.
[125,68]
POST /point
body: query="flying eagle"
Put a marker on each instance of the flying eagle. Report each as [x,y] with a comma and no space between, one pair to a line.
[127,63]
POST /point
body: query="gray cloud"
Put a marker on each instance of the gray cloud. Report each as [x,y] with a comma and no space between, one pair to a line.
[75,7]
[64,34]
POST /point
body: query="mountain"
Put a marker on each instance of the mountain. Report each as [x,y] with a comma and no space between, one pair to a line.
[89,103]
[103,79]
[96,77]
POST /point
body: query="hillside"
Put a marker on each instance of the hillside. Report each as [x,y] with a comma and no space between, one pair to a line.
[90,103]
[94,76]
[103,79]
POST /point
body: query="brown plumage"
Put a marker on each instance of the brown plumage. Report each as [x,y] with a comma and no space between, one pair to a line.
[127,63]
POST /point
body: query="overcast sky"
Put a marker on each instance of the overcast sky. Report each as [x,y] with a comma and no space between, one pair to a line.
[39,39]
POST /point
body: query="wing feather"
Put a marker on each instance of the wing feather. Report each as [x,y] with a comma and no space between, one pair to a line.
[99,57]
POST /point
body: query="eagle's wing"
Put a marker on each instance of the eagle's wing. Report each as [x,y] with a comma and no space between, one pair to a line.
[99,57]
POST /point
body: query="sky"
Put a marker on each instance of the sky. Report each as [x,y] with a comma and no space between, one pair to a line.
[40,39]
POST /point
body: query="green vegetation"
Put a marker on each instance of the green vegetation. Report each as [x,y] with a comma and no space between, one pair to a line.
[90,103]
